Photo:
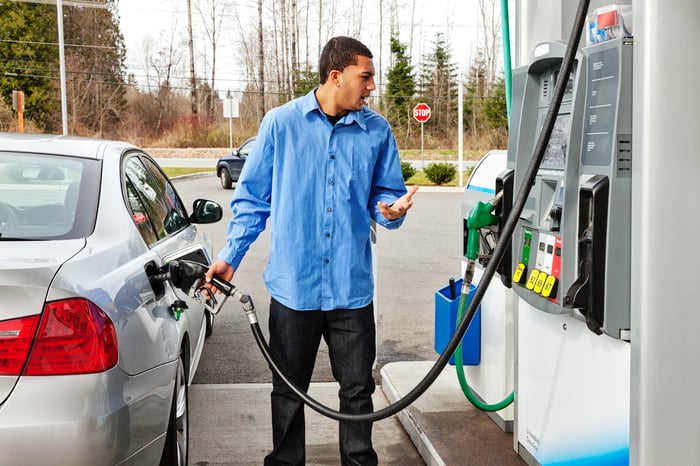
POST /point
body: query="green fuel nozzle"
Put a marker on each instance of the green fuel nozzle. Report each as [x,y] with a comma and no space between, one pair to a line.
[479,217]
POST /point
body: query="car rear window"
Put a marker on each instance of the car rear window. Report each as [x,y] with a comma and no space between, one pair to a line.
[47,197]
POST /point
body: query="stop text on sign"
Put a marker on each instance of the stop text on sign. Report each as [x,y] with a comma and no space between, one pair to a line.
[421,112]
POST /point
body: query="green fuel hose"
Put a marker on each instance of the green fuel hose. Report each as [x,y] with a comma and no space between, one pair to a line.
[459,366]
[480,216]
[505,29]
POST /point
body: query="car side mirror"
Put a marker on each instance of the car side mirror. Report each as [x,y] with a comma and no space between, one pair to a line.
[205,211]
[236,153]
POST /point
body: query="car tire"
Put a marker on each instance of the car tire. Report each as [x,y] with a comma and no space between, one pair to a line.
[176,450]
[225,176]
[209,316]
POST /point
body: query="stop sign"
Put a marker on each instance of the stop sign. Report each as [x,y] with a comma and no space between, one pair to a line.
[421,112]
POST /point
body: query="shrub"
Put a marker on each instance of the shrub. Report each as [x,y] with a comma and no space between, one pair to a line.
[440,173]
[407,170]
[468,172]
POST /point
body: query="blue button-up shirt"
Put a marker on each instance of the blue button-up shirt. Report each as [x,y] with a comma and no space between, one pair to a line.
[319,184]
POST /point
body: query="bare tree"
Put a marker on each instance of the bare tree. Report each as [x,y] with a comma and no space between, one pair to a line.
[294,45]
[161,64]
[261,61]
[320,25]
[193,76]
[490,40]
[212,14]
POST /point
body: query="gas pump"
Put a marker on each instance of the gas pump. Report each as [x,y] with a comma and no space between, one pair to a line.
[571,257]
[492,379]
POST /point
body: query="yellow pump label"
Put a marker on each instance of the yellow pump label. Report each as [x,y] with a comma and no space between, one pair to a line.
[533,279]
[519,272]
[539,284]
[550,286]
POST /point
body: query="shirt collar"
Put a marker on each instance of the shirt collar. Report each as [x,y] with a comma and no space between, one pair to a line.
[309,103]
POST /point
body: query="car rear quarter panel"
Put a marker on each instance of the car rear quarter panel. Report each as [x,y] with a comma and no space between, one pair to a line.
[84,419]
[110,270]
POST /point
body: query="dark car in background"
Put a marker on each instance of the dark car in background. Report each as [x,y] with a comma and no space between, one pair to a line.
[229,167]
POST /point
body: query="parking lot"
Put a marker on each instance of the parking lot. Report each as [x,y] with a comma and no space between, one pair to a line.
[230,404]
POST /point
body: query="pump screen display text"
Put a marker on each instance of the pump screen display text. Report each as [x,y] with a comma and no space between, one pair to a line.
[555,155]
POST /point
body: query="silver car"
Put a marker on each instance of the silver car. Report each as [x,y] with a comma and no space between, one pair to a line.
[97,348]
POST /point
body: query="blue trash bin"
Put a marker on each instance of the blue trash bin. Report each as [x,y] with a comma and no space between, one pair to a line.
[446,309]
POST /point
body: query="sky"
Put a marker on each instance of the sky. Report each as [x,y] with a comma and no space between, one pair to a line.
[139,19]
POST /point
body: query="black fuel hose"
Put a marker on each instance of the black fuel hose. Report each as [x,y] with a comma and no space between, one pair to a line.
[489,271]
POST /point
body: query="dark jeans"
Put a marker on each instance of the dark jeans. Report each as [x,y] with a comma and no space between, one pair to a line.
[294,340]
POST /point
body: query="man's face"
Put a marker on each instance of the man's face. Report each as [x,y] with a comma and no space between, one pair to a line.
[356,84]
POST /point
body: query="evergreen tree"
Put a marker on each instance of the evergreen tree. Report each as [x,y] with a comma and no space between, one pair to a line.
[94,58]
[95,68]
[401,86]
[495,108]
[485,112]
[476,92]
[29,58]
[438,85]
[307,80]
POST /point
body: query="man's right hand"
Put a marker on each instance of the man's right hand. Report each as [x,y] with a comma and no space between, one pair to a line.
[221,269]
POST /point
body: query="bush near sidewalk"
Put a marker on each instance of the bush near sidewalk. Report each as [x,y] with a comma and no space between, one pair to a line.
[440,173]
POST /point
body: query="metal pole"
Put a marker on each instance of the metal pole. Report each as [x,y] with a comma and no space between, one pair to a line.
[460,129]
[230,132]
[422,154]
[62,60]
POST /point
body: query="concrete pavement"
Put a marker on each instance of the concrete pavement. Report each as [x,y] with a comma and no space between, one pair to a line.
[232,424]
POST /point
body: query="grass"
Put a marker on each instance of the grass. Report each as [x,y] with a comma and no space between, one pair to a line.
[418,179]
[421,180]
[180,171]
[440,155]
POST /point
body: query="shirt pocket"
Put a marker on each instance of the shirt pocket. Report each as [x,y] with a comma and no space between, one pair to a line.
[362,172]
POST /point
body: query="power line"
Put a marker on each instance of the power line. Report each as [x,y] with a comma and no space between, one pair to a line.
[76,3]
[55,44]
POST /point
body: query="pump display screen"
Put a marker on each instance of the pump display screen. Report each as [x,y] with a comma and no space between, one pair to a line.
[569,91]
[555,155]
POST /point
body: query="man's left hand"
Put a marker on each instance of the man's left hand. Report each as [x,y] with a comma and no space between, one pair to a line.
[399,208]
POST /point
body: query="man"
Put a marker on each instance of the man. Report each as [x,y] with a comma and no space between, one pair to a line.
[322,167]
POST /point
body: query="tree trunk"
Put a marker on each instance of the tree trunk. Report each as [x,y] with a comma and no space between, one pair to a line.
[193,77]
[295,60]
[261,61]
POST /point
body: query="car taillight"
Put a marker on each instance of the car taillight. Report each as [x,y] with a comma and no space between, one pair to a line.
[75,337]
[16,338]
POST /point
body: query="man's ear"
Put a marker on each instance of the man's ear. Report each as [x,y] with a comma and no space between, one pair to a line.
[334,77]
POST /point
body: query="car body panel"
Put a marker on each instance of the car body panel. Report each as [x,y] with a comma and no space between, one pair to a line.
[29,267]
[120,415]
[78,420]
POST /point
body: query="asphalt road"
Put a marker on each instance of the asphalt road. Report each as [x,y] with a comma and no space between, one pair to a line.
[411,264]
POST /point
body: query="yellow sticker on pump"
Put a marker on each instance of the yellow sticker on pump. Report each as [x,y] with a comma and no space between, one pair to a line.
[539,284]
[549,286]
[519,272]
[533,279]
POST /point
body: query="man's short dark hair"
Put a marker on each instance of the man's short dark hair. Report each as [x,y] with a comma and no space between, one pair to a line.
[338,53]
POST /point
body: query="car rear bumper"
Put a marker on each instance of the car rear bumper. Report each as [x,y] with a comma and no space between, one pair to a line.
[90,419]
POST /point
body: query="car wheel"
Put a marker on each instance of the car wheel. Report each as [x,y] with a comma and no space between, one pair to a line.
[177,438]
[226,181]
[210,323]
